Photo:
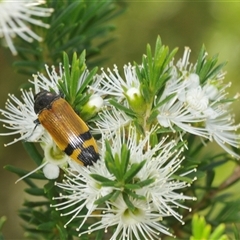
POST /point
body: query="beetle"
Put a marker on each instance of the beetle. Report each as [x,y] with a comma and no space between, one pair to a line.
[70,133]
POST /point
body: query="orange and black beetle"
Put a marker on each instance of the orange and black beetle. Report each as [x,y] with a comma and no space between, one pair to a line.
[68,130]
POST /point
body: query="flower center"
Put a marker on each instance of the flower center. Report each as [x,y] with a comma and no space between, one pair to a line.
[197,100]
[53,154]
[132,218]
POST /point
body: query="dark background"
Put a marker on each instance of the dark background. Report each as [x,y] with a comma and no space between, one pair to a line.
[179,23]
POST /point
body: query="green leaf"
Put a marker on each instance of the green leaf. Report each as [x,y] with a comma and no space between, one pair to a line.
[35,191]
[198,225]
[100,235]
[34,65]
[165,100]
[134,169]
[139,184]
[88,79]
[145,92]
[110,161]
[222,198]
[236,232]
[121,107]
[182,178]
[100,178]
[206,68]
[105,182]
[115,195]
[22,173]
[117,163]
[206,232]
[217,232]
[202,230]
[155,71]
[134,195]
[210,177]
[87,28]
[213,164]
[33,152]
[67,73]
[102,200]
[200,60]
[132,186]
[230,212]
[31,204]
[128,202]
[46,226]
[65,14]
[63,233]
[72,76]
[39,216]
[146,182]
[125,157]
[216,70]
[3,219]
[49,186]
[154,139]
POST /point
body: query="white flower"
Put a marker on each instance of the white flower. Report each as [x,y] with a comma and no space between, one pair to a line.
[114,85]
[50,82]
[194,97]
[198,108]
[20,116]
[200,100]
[53,160]
[16,17]
[143,223]
[160,196]
[85,190]
[110,120]
[224,132]
[174,113]
[126,90]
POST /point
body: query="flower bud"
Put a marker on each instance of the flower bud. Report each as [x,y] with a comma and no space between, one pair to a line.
[136,100]
[51,171]
[92,107]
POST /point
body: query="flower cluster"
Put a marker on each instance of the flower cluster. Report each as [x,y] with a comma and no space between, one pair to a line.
[136,184]
[142,120]
[15,17]
[199,105]
[187,104]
